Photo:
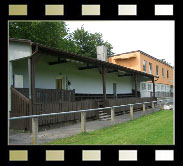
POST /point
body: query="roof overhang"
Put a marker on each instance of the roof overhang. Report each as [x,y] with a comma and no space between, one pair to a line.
[59,53]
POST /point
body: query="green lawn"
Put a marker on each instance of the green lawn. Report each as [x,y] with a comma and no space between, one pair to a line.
[155,128]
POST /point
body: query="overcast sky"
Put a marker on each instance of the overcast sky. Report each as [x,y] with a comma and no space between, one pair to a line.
[155,38]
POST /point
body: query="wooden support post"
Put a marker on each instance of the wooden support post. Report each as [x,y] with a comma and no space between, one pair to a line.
[83,121]
[153,106]
[135,79]
[160,105]
[103,72]
[10,83]
[33,79]
[29,78]
[144,108]
[34,130]
[153,87]
[112,116]
[31,75]
[131,112]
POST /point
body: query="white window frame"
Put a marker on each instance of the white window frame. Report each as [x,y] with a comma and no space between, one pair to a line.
[157,73]
[143,83]
[163,72]
[149,85]
[144,66]
[150,67]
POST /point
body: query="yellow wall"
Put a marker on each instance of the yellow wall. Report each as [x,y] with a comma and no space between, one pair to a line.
[161,79]
[134,60]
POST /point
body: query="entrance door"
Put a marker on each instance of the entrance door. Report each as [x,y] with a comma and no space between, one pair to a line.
[114,90]
[59,83]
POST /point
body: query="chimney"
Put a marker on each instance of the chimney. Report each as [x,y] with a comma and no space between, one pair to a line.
[102,53]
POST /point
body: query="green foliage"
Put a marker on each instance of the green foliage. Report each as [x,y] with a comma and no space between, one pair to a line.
[153,129]
[47,33]
[56,34]
[87,42]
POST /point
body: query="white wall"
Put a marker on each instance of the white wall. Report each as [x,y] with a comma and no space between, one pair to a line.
[83,81]
[158,88]
[19,50]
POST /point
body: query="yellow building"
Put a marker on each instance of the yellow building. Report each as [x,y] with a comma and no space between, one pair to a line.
[141,61]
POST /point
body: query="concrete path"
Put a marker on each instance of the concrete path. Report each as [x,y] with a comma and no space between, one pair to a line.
[62,132]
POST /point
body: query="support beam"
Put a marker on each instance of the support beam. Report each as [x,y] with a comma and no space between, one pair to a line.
[112,71]
[33,79]
[87,67]
[103,73]
[135,80]
[58,62]
[153,87]
[125,75]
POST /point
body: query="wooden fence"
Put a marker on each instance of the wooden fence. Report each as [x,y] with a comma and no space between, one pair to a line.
[125,101]
[48,95]
[21,107]
[84,96]
[55,107]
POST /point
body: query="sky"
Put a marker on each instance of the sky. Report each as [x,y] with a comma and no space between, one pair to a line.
[155,38]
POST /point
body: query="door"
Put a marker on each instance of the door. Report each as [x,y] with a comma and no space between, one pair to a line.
[114,90]
[18,81]
[59,83]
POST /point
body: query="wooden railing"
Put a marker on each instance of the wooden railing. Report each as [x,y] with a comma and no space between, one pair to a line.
[35,124]
[84,96]
[126,101]
[49,95]
[20,106]
[66,106]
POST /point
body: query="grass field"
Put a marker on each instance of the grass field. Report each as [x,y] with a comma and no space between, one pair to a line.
[153,129]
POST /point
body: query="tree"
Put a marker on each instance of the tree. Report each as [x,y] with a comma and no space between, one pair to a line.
[47,33]
[87,42]
[56,34]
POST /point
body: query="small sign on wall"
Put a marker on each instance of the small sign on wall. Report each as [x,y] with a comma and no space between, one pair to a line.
[18,81]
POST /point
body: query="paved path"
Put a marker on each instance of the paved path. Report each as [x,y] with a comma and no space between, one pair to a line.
[62,132]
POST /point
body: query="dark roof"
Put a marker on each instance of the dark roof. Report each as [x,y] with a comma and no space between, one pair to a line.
[88,60]
[143,54]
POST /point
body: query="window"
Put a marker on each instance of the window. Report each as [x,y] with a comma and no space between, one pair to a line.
[157,88]
[163,74]
[162,88]
[167,74]
[143,86]
[150,68]
[157,70]
[149,87]
[144,66]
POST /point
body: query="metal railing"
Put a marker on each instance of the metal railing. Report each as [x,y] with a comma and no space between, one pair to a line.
[83,116]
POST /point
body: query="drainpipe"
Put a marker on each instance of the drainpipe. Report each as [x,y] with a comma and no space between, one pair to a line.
[31,76]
